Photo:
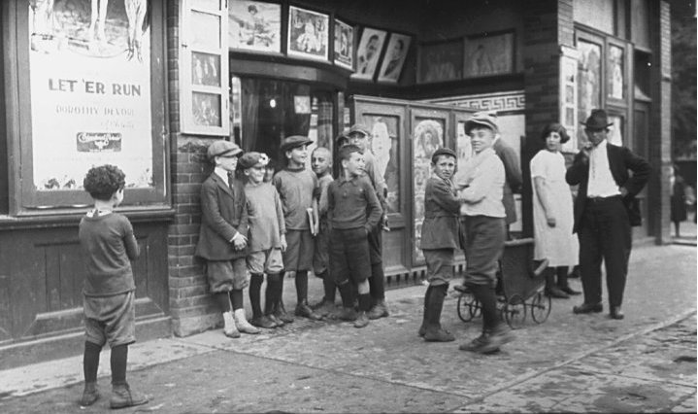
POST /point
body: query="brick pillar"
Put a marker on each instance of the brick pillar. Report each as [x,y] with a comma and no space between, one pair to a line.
[547,24]
[659,145]
[191,306]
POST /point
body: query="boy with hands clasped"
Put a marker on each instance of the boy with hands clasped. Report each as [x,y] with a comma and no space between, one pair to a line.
[223,237]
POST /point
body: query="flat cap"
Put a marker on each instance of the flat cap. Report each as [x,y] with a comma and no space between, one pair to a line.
[486,119]
[442,151]
[294,141]
[222,147]
[359,129]
[250,159]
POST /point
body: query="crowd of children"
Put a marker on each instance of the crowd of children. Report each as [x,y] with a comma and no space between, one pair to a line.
[260,222]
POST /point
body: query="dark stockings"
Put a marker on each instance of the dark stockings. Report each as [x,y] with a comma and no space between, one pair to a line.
[302,286]
[90,361]
[119,355]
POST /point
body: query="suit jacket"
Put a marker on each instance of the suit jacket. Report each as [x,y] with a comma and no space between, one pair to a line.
[440,228]
[620,160]
[223,214]
[512,170]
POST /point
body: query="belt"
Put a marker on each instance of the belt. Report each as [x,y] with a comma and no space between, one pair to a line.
[598,200]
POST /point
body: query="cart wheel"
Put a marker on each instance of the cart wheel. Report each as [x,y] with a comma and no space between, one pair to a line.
[515,311]
[468,306]
[540,307]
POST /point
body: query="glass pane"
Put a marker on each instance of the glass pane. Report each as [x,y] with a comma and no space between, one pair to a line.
[428,135]
[205,69]
[385,145]
[616,69]
[206,109]
[464,147]
[589,76]
[205,31]
[615,134]
[213,5]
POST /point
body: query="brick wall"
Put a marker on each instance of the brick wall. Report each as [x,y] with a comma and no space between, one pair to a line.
[546,24]
[191,306]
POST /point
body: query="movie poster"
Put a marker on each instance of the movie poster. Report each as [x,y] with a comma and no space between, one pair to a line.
[90,91]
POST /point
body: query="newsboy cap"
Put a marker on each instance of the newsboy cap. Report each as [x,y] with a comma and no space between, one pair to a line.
[442,151]
[250,159]
[597,120]
[222,147]
[358,129]
[294,141]
[486,119]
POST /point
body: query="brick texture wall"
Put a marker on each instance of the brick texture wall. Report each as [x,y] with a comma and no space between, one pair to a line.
[191,306]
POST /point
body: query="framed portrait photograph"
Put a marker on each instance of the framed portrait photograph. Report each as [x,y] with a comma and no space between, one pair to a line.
[368,53]
[394,59]
[308,34]
[488,55]
[440,61]
[254,26]
[343,44]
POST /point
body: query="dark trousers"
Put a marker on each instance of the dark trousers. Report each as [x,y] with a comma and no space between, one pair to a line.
[604,234]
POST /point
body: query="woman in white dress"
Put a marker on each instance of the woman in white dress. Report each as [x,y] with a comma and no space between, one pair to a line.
[553,216]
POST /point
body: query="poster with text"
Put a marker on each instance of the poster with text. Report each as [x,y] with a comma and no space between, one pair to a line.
[90,92]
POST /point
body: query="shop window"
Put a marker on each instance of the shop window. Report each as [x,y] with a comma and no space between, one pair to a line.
[272,110]
[204,68]
[78,97]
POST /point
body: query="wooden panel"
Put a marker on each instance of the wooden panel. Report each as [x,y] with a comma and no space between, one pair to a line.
[43,272]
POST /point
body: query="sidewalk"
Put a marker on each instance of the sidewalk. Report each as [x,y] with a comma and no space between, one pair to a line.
[580,363]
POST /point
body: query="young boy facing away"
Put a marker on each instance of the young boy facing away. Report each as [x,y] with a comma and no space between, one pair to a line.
[296,185]
[267,239]
[223,237]
[439,241]
[321,162]
[485,230]
[354,212]
[109,289]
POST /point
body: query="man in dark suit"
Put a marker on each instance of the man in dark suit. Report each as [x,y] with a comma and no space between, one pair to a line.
[604,211]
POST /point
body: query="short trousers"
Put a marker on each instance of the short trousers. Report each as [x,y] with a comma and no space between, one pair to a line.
[321,256]
[349,255]
[267,261]
[226,275]
[439,265]
[110,319]
[485,238]
[299,251]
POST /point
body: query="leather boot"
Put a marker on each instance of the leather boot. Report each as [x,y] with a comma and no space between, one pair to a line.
[551,288]
[302,309]
[425,313]
[434,331]
[123,397]
[90,395]
[379,310]
[242,324]
[281,314]
[229,328]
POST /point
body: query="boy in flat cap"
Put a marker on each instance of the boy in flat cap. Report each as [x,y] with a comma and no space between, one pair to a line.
[485,231]
[223,237]
[359,135]
[267,239]
[296,186]
[440,239]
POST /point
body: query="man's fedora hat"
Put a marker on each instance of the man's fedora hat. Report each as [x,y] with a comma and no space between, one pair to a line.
[597,120]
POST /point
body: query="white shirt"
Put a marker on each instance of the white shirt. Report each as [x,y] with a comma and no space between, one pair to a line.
[601,182]
[485,180]
[222,173]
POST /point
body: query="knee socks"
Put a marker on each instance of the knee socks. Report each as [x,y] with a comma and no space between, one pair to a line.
[302,286]
[256,281]
[223,300]
[90,361]
[271,294]
[377,282]
[236,298]
[329,286]
[488,300]
[119,355]
[364,302]
[280,289]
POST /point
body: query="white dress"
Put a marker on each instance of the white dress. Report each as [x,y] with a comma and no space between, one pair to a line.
[557,244]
